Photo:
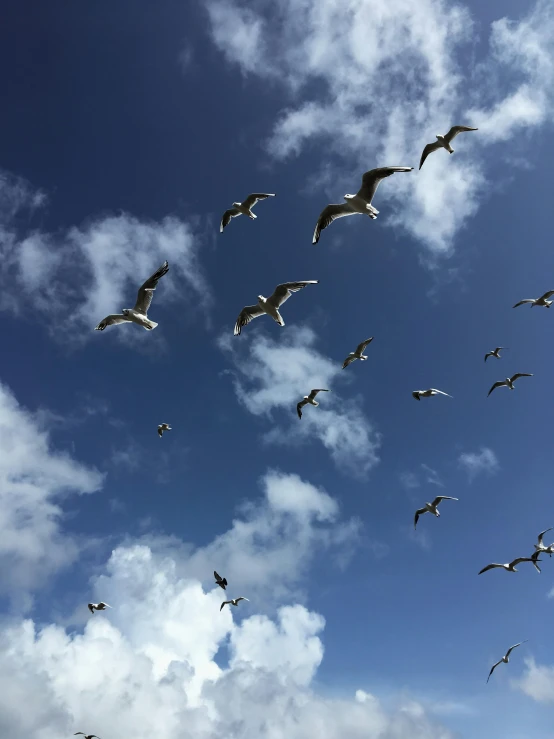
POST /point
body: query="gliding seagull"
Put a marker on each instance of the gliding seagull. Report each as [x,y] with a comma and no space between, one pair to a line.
[244,208]
[270,305]
[163,427]
[418,394]
[431,507]
[540,546]
[233,601]
[358,203]
[509,381]
[221,581]
[542,301]
[138,314]
[87,736]
[97,607]
[509,567]
[495,353]
[505,658]
[443,142]
[309,399]
[358,354]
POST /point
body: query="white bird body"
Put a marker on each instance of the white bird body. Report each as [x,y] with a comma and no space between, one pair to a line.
[418,394]
[163,427]
[244,208]
[505,659]
[270,306]
[495,353]
[443,142]
[309,399]
[358,354]
[431,508]
[543,301]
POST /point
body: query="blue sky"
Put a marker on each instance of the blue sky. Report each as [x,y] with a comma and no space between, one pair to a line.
[128,129]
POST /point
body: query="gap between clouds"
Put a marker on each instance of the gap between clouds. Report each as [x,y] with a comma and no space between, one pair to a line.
[390,77]
[276,374]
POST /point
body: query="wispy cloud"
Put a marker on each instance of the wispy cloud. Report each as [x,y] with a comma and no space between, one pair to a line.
[276,374]
[537,681]
[478,463]
[425,474]
[388,78]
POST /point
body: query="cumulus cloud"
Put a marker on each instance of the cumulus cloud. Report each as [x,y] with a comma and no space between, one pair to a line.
[34,480]
[276,374]
[478,463]
[537,682]
[379,81]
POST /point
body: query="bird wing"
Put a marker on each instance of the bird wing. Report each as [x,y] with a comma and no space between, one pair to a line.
[493,669]
[348,361]
[440,392]
[217,577]
[489,567]
[106,605]
[372,178]
[515,645]
[316,391]
[515,562]
[428,150]
[283,292]
[226,218]
[253,198]
[442,497]
[521,302]
[146,291]
[241,597]
[360,348]
[500,383]
[455,130]
[489,354]
[547,295]
[539,539]
[418,513]
[225,602]
[415,394]
[160,431]
[299,407]
[91,609]
[111,320]
[520,374]
[498,348]
[245,316]
[329,214]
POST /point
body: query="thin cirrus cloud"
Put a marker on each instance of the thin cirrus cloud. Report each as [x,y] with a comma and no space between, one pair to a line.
[73,279]
[391,76]
[483,462]
[275,374]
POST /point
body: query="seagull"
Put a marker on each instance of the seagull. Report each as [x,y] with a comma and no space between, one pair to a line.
[535,559]
[505,658]
[221,581]
[418,394]
[495,353]
[358,354]
[270,305]
[540,547]
[443,142]
[138,314]
[509,381]
[97,607]
[87,736]
[232,602]
[244,208]
[543,301]
[431,507]
[509,567]
[163,427]
[309,399]
[358,203]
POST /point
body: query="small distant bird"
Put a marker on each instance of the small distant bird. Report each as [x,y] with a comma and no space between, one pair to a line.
[359,203]
[270,305]
[509,567]
[540,546]
[232,602]
[431,507]
[138,314]
[535,559]
[244,208]
[358,354]
[221,581]
[505,658]
[97,607]
[495,353]
[309,399]
[418,394]
[543,301]
[87,736]
[443,142]
[509,381]
[163,427]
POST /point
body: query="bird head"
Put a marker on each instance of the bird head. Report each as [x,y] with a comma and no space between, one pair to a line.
[348,196]
[237,205]
[125,311]
[440,137]
[261,298]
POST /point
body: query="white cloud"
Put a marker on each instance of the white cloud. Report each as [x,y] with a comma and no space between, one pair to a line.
[276,374]
[537,682]
[411,480]
[477,463]
[388,78]
[34,479]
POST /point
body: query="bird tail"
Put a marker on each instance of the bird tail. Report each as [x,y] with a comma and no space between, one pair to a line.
[253,216]
[149,325]
[450,149]
[279,319]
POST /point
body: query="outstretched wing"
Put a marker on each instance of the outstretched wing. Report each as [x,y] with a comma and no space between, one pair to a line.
[283,292]
[111,320]
[521,302]
[253,198]
[217,577]
[299,407]
[520,374]
[547,295]
[418,513]
[329,214]
[160,431]
[362,346]
[225,602]
[349,359]
[372,178]
[246,315]
[442,497]
[489,567]
[428,150]
[415,394]
[489,354]
[493,668]
[146,291]
[91,609]
[521,559]
[316,391]
[226,218]
[539,538]
[241,597]
[455,130]
[440,392]
[496,384]
[515,645]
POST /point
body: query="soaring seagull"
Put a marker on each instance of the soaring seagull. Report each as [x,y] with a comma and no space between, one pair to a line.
[495,353]
[244,208]
[163,427]
[309,399]
[540,546]
[509,566]
[87,736]
[443,142]
[418,394]
[505,658]
[138,314]
[509,381]
[221,581]
[98,606]
[543,301]
[358,354]
[232,602]
[358,203]
[270,305]
[431,507]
